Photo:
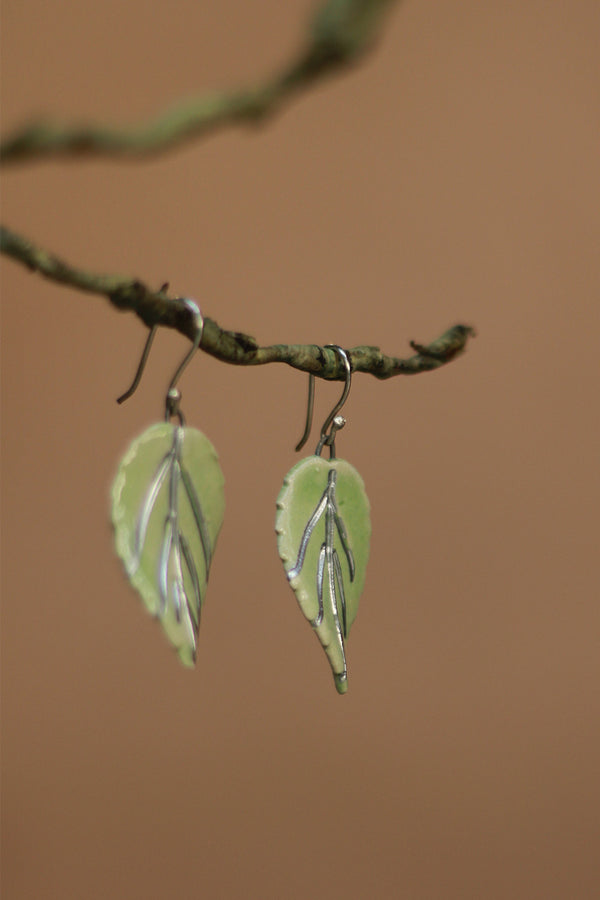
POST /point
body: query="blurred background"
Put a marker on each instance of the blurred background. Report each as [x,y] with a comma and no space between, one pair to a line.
[451,177]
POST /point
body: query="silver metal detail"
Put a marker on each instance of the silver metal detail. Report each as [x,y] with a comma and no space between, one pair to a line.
[333,422]
[141,366]
[175,554]
[328,557]
[172,399]
[321,506]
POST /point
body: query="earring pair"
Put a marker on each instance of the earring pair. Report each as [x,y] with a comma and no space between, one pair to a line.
[168,506]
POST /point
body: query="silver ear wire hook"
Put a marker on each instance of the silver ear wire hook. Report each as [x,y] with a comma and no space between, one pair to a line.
[309,412]
[333,422]
[173,397]
[140,369]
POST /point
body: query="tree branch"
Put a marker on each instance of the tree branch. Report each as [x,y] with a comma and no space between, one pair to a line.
[156,307]
[341,31]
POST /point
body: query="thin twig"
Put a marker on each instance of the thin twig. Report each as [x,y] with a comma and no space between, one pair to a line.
[156,307]
[341,31]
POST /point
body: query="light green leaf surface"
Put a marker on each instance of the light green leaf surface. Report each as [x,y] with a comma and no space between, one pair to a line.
[323,534]
[167,510]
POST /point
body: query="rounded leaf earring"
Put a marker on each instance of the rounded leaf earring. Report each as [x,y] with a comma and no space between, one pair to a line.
[168,506]
[323,534]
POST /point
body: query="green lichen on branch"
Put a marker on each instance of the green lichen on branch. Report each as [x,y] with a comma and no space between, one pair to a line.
[340,33]
[157,307]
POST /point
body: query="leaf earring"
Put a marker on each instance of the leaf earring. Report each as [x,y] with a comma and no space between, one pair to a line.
[167,510]
[323,534]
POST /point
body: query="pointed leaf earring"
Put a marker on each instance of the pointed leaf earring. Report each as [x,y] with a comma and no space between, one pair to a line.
[323,534]
[167,510]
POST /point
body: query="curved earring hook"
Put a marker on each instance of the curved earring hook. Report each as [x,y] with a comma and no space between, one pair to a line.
[309,412]
[333,422]
[140,369]
[173,396]
[199,322]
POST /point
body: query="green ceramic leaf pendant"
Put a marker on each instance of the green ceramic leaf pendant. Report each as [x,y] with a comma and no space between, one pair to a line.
[323,533]
[167,510]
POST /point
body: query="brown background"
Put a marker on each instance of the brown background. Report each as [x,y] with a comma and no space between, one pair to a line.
[451,178]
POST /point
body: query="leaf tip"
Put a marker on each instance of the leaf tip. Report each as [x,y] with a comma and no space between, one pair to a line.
[341,682]
[187,656]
